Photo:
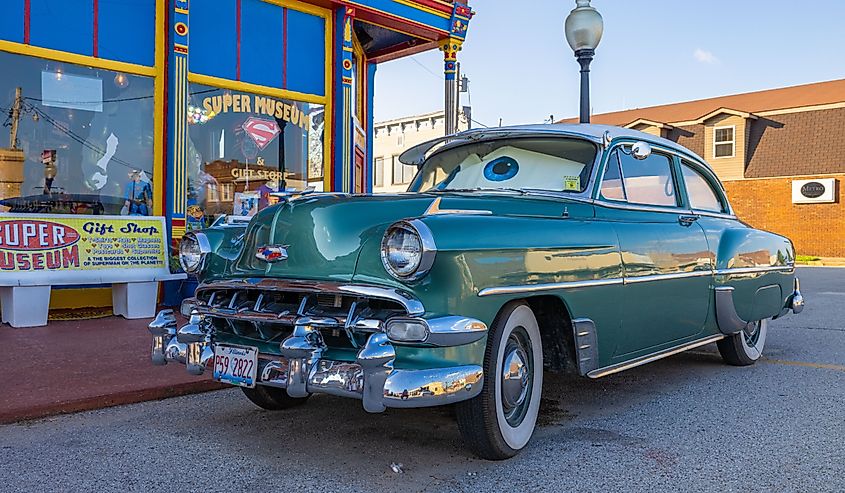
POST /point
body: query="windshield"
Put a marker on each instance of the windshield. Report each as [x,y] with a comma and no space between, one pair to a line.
[543,163]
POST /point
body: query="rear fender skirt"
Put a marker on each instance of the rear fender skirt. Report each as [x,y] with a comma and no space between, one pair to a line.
[726,316]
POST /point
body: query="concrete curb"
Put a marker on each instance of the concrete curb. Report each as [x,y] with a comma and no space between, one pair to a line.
[110,400]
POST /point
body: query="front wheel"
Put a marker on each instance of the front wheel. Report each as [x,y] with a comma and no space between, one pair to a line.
[499,422]
[272,398]
[745,347]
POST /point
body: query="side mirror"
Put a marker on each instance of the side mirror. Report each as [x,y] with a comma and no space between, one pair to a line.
[641,150]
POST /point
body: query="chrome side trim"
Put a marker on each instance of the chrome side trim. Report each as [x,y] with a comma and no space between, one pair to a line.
[609,370]
[666,277]
[755,270]
[533,288]
[434,210]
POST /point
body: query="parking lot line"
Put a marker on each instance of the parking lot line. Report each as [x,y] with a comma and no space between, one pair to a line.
[825,366]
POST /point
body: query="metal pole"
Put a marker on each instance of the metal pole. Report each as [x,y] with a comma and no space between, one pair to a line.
[449,106]
[584,57]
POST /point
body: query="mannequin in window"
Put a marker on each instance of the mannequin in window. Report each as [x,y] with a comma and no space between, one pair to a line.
[137,195]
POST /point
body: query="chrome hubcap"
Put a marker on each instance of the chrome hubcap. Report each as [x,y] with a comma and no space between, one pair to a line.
[751,333]
[516,377]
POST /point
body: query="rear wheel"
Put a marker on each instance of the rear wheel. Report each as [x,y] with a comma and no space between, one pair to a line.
[745,347]
[499,422]
[272,398]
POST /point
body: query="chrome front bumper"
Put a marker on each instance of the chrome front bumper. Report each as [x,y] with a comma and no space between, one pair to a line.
[302,370]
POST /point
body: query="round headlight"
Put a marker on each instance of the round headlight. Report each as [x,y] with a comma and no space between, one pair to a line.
[192,250]
[407,250]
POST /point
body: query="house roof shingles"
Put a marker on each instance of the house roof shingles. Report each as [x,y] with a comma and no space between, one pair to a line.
[814,94]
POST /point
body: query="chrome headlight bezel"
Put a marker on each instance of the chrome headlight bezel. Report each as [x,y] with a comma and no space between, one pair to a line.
[428,250]
[193,250]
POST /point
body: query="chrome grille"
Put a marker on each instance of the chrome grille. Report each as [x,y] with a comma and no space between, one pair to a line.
[267,310]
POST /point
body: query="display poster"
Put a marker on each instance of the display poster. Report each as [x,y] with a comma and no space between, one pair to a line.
[246,203]
[56,243]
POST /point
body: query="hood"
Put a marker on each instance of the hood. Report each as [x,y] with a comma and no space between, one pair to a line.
[324,233]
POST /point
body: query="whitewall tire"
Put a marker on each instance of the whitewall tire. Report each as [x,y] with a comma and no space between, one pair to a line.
[499,422]
[745,347]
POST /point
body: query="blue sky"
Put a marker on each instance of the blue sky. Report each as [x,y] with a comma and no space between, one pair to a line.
[652,52]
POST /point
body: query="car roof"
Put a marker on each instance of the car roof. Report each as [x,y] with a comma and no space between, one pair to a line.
[596,133]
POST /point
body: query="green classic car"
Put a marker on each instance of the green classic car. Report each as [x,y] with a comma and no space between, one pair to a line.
[577,248]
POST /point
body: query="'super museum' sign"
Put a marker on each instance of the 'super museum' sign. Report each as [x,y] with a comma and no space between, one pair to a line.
[53,244]
[259,105]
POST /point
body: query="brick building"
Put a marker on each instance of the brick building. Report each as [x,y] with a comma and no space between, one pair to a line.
[780,154]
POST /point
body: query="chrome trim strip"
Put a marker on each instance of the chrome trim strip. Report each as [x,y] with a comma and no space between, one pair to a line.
[755,270]
[609,370]
[532,288]
[435,210]
[666,277]
[408,301]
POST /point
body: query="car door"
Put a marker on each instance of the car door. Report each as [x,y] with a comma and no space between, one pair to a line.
[667,263]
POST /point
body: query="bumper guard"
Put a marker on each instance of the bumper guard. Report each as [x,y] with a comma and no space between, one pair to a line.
[302,370]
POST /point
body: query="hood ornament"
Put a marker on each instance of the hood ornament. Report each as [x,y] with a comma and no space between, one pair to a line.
[272,253]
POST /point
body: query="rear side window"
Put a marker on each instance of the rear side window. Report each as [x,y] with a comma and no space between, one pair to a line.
[700,191]
[647,182]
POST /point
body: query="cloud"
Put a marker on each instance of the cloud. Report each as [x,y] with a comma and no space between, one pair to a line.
[704,56]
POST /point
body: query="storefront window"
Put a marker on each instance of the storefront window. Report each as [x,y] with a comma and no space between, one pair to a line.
[243,146]
[86,135]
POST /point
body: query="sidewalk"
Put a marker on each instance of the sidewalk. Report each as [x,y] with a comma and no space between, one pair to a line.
[78,365]
[822,261]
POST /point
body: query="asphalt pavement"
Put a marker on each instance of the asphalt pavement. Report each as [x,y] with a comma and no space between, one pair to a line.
[686,423]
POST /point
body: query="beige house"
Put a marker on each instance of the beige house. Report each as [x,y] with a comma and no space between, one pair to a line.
[392,137]
[780,154]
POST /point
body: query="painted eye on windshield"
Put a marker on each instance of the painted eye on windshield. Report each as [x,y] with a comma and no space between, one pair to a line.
[501,169]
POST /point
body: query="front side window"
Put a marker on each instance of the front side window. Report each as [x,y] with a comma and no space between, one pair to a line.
[548,164]
[243,146]
[723,142]
[85,135]
[611,186]
[700,192]
[648,181]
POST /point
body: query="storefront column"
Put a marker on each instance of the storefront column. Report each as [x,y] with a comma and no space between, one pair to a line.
[177,165]
[450,48]
[344,126]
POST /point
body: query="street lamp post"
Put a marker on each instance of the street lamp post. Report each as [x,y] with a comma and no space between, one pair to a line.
[583,29]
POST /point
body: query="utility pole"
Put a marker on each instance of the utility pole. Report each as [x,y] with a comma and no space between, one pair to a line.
[16,116]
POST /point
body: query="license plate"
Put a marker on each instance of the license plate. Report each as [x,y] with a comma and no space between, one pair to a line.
[236,365]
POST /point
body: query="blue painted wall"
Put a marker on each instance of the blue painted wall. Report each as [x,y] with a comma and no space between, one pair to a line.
[306,53]
[11,21]
[213,38]
[262,43]
[127,31]
[66,25]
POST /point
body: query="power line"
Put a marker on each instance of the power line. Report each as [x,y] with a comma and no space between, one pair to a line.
[427,69]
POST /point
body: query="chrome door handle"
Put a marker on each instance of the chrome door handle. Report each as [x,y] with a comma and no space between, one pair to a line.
[687,220]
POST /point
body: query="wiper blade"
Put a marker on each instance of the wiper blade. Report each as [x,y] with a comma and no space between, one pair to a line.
[478,189]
